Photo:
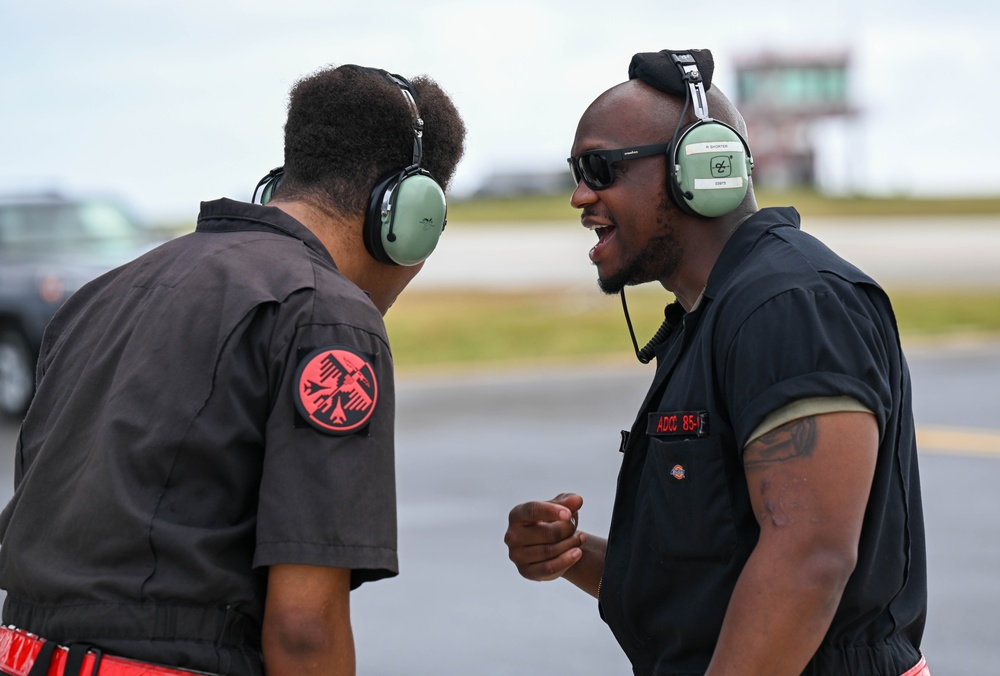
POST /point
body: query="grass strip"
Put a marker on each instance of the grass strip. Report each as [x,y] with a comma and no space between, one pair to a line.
[531,209]
[465,328]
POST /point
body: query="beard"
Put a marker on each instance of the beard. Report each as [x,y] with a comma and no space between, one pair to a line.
[657,260]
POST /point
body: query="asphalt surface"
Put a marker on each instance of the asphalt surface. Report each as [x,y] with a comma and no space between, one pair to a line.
[471,446]
[956,251]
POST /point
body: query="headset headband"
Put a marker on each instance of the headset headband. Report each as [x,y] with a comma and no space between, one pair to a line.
[695,87]
[418,123]
[660,70]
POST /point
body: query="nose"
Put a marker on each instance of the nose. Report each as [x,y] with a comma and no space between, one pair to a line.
[582,196]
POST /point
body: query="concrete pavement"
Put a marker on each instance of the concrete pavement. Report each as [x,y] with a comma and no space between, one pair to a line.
[955,251]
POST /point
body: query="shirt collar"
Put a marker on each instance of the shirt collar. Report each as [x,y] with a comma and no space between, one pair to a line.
[743,240]
[226,215]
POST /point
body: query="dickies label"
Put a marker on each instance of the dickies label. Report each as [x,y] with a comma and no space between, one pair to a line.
[678,424]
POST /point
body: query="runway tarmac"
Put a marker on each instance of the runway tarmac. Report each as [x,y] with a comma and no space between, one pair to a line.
[470,449]
[471,446]
[957,251]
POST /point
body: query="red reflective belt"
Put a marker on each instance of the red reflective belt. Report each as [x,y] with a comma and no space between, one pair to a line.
[18,650]
[919,669]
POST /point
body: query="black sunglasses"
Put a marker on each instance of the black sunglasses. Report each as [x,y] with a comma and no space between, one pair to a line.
[595,167]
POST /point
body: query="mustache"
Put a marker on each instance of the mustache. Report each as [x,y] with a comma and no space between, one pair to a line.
[598,214]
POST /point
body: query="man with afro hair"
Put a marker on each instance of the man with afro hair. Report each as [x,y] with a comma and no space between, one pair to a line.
[206,470]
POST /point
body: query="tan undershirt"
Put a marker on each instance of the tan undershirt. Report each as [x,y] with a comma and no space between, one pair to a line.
[804,408]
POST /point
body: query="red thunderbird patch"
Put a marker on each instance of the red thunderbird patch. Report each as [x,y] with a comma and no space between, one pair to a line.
[336,389]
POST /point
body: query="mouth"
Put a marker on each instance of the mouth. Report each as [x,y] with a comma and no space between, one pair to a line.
[605,233]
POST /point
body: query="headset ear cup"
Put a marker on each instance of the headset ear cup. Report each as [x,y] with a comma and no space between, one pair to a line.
[268,192]
[710,169]
[270,183]
[673,182]
[415,213]
[372,229]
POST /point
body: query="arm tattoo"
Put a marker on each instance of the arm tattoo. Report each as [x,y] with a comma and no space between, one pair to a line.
[797,439]
[784,499]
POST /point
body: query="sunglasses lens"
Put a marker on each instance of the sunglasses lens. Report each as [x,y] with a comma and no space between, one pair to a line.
[595,170]
[574,171]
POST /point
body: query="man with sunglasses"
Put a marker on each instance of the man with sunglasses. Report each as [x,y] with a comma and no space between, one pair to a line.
[768,517]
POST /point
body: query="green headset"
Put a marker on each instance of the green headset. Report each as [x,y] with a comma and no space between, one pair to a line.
[709,162]
[270,184]
[407,210]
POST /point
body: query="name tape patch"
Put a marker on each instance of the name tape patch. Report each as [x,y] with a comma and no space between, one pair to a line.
[713,147]
[678,424]
[336,389]
[718,183]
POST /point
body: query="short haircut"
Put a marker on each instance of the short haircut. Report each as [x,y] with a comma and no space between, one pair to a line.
[350,126]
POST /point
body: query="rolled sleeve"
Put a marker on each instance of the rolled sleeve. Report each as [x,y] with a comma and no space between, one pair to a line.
[803,344]
[330,499]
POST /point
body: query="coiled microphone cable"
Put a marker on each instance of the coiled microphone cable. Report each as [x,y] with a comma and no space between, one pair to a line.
[645,355]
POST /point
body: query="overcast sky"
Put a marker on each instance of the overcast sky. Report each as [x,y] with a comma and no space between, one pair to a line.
[167,103]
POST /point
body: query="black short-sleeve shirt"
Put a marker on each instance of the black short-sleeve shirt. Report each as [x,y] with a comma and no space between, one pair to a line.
[782,319]
[219,405]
